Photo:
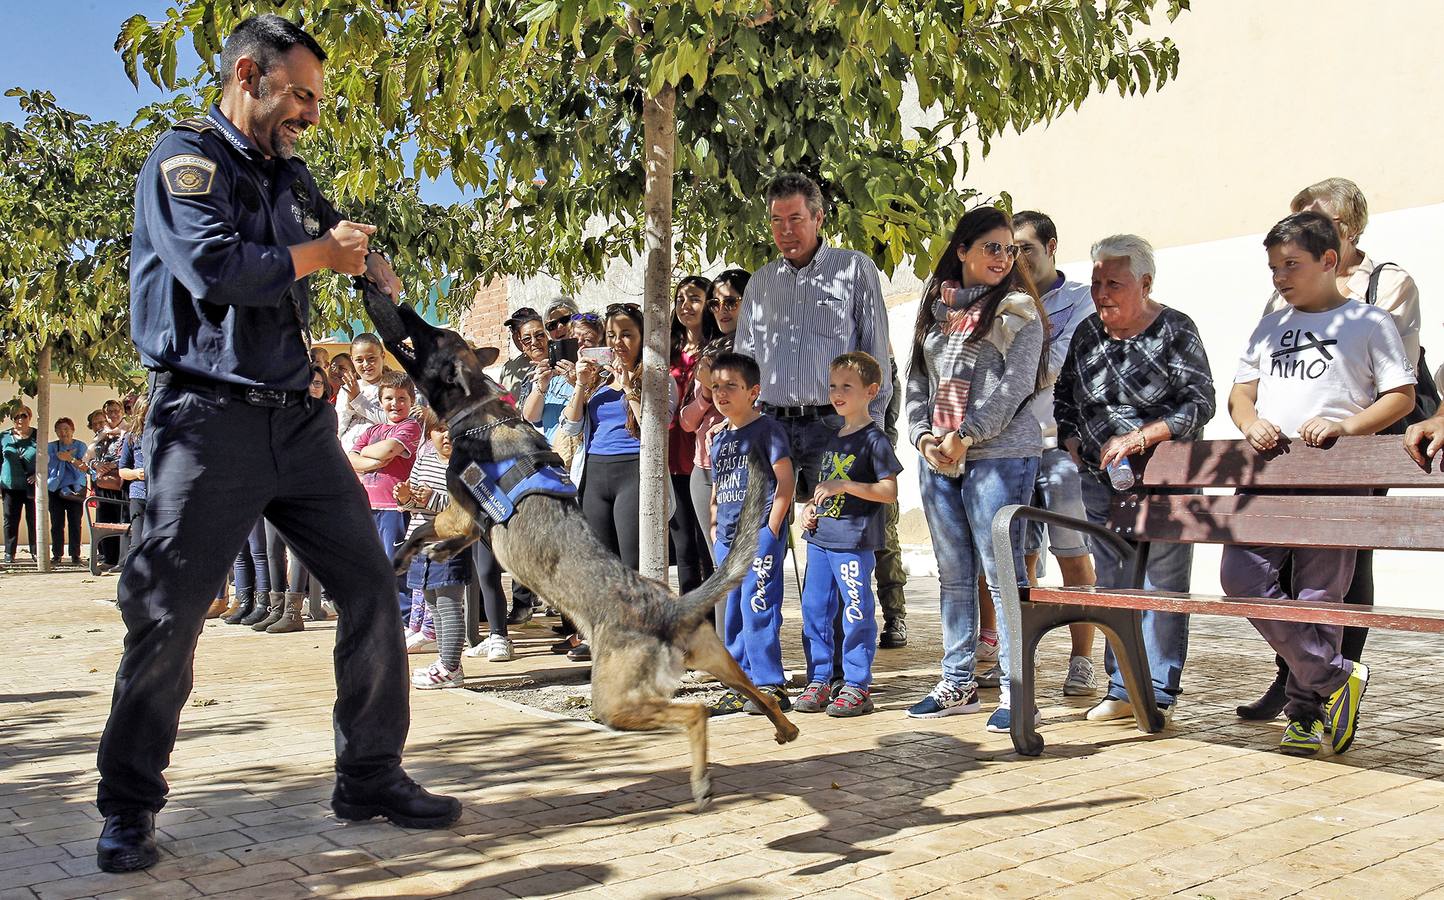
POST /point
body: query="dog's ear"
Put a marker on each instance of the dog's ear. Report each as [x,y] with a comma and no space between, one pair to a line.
[487,355]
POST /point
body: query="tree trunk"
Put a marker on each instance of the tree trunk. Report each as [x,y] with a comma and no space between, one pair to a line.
[659,132]
[42,460]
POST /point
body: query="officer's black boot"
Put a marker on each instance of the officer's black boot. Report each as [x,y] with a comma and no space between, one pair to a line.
[394,796]
[243,602]
[127,842]
[260,608]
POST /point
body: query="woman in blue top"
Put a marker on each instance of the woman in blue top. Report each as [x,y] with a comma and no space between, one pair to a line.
[65,480]
[132,472]
[606,408]
[17,479]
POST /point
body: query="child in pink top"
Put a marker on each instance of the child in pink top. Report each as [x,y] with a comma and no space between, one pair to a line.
[382,458]
[700,416]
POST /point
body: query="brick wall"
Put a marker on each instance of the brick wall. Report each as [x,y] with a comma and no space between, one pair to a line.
[481,321]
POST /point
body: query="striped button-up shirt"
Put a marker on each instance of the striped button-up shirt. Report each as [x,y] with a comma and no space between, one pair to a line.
[794,321]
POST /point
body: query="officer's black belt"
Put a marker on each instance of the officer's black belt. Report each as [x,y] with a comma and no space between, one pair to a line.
[797,412]
[254,396]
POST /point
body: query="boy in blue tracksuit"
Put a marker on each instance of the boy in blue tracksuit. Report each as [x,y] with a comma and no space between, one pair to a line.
[753,624]
[843,526]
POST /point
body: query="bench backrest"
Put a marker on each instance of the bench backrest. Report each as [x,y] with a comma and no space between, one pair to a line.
[1338,511]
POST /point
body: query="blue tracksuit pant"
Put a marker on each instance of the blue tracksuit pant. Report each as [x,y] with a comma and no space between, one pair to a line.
[753,632]
[839,579]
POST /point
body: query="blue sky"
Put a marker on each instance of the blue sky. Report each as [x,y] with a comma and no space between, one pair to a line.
[68,48]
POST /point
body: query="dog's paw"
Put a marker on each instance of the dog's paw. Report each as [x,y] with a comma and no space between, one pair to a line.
[786,735]
[701,793]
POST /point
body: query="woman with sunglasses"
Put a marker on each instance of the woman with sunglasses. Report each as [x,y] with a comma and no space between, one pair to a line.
[558,320]
[17,479]
[978,355]
[693,327]
[724,298]
[605,410]
[588,330]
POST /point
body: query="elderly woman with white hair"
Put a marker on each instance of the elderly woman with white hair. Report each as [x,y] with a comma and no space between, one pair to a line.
[1136,375]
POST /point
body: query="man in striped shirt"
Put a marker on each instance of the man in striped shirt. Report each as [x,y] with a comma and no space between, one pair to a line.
[801,311]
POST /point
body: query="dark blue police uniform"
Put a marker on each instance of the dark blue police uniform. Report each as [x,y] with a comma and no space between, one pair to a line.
[219,319]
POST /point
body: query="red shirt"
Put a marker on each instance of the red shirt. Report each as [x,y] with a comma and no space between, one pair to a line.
[681,443]
[381,483]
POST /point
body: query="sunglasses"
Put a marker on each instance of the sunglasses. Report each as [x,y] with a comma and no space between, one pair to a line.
[731,303]
[631,310]
[589,318]
[18,416]
[993,248]
[554,324]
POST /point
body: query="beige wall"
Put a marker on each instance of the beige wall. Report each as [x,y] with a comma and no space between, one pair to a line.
[65,400]
[1271,96]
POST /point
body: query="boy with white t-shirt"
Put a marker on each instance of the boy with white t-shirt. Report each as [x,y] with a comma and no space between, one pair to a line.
[1325,367]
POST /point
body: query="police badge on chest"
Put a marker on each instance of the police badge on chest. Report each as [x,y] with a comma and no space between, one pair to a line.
[301,209]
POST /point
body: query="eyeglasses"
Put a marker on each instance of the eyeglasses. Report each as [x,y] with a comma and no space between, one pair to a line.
[731,303]
[993,248]
[18,416]
[532,338]
[554,324]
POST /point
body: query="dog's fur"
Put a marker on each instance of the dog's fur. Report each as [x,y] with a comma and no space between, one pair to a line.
[641,634]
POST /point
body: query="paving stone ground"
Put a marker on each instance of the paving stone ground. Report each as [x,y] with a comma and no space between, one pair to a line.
[882,806]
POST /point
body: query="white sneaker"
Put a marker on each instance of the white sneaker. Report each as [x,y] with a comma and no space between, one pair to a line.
[438,676]
[987,655]
[1109,710]
[417,642]
[1080,681]
[498,648]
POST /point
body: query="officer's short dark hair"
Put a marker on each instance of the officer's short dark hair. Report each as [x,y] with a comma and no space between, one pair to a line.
[739,364]
[1042,226]
[264,39]
[792,184]
[1313,231]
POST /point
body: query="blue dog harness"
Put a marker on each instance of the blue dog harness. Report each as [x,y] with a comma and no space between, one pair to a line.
[499,484]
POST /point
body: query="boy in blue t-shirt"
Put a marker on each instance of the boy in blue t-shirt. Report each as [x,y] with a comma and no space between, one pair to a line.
[753,623]
[844,530]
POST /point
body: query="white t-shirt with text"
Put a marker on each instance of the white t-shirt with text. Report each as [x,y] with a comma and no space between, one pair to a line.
[1333,364]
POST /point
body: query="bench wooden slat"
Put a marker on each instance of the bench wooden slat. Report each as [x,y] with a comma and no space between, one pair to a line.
[1383,523]
[1393,619]
[1377,461]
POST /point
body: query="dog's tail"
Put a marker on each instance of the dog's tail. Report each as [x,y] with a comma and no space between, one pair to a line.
[755,504]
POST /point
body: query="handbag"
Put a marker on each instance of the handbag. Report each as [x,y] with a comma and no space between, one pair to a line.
[1426,392]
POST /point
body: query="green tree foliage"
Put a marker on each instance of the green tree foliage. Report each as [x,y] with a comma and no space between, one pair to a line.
[495,93]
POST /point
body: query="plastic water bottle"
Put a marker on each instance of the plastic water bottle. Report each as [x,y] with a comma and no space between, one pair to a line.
[1120,474]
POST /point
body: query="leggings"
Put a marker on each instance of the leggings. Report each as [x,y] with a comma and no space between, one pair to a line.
[487,572]
[610,504]
[137,525]
[297,578]
[276,553]
[448,603]
[694,561]
[16,502]
[65,514]
[252,572]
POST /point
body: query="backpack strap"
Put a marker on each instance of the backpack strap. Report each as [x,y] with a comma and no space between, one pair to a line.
[1371,296]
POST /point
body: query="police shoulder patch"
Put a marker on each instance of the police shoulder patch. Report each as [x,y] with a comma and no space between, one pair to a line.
[188,175]
[199,124]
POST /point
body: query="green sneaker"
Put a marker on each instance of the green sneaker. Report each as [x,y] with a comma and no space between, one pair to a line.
[1343,707]
[1302,738]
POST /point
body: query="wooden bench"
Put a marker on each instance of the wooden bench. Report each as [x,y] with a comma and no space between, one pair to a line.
[106,531]
[1141,516]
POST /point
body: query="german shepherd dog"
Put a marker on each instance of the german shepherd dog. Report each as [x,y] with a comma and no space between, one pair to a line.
[642,635]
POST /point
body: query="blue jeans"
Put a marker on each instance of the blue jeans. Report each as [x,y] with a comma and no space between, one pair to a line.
[1165,635]
[753,628]
[960,516]
[391,526]
[839,581]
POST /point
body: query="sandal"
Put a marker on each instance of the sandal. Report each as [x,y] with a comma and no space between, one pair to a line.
[730,702]
[580,653]
[565,645]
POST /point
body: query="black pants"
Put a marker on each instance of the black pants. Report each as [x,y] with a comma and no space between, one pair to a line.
[65,514]
[694,554]
[17,502]
[215,465]
[137,525]
[610,498]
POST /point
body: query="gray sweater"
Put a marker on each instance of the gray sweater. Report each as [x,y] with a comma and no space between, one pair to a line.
[997,419]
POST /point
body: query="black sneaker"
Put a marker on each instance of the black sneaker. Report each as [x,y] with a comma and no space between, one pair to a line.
[127,842]
[776,692]
[520,614]
[894,634]
[393,796]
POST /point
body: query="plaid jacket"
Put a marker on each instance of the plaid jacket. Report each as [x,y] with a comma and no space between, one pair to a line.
[1110,387]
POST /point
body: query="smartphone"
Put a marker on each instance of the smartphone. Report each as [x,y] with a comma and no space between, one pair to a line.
[602,356]
[558,350]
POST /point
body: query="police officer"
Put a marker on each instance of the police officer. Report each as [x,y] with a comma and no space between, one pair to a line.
[228,225]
